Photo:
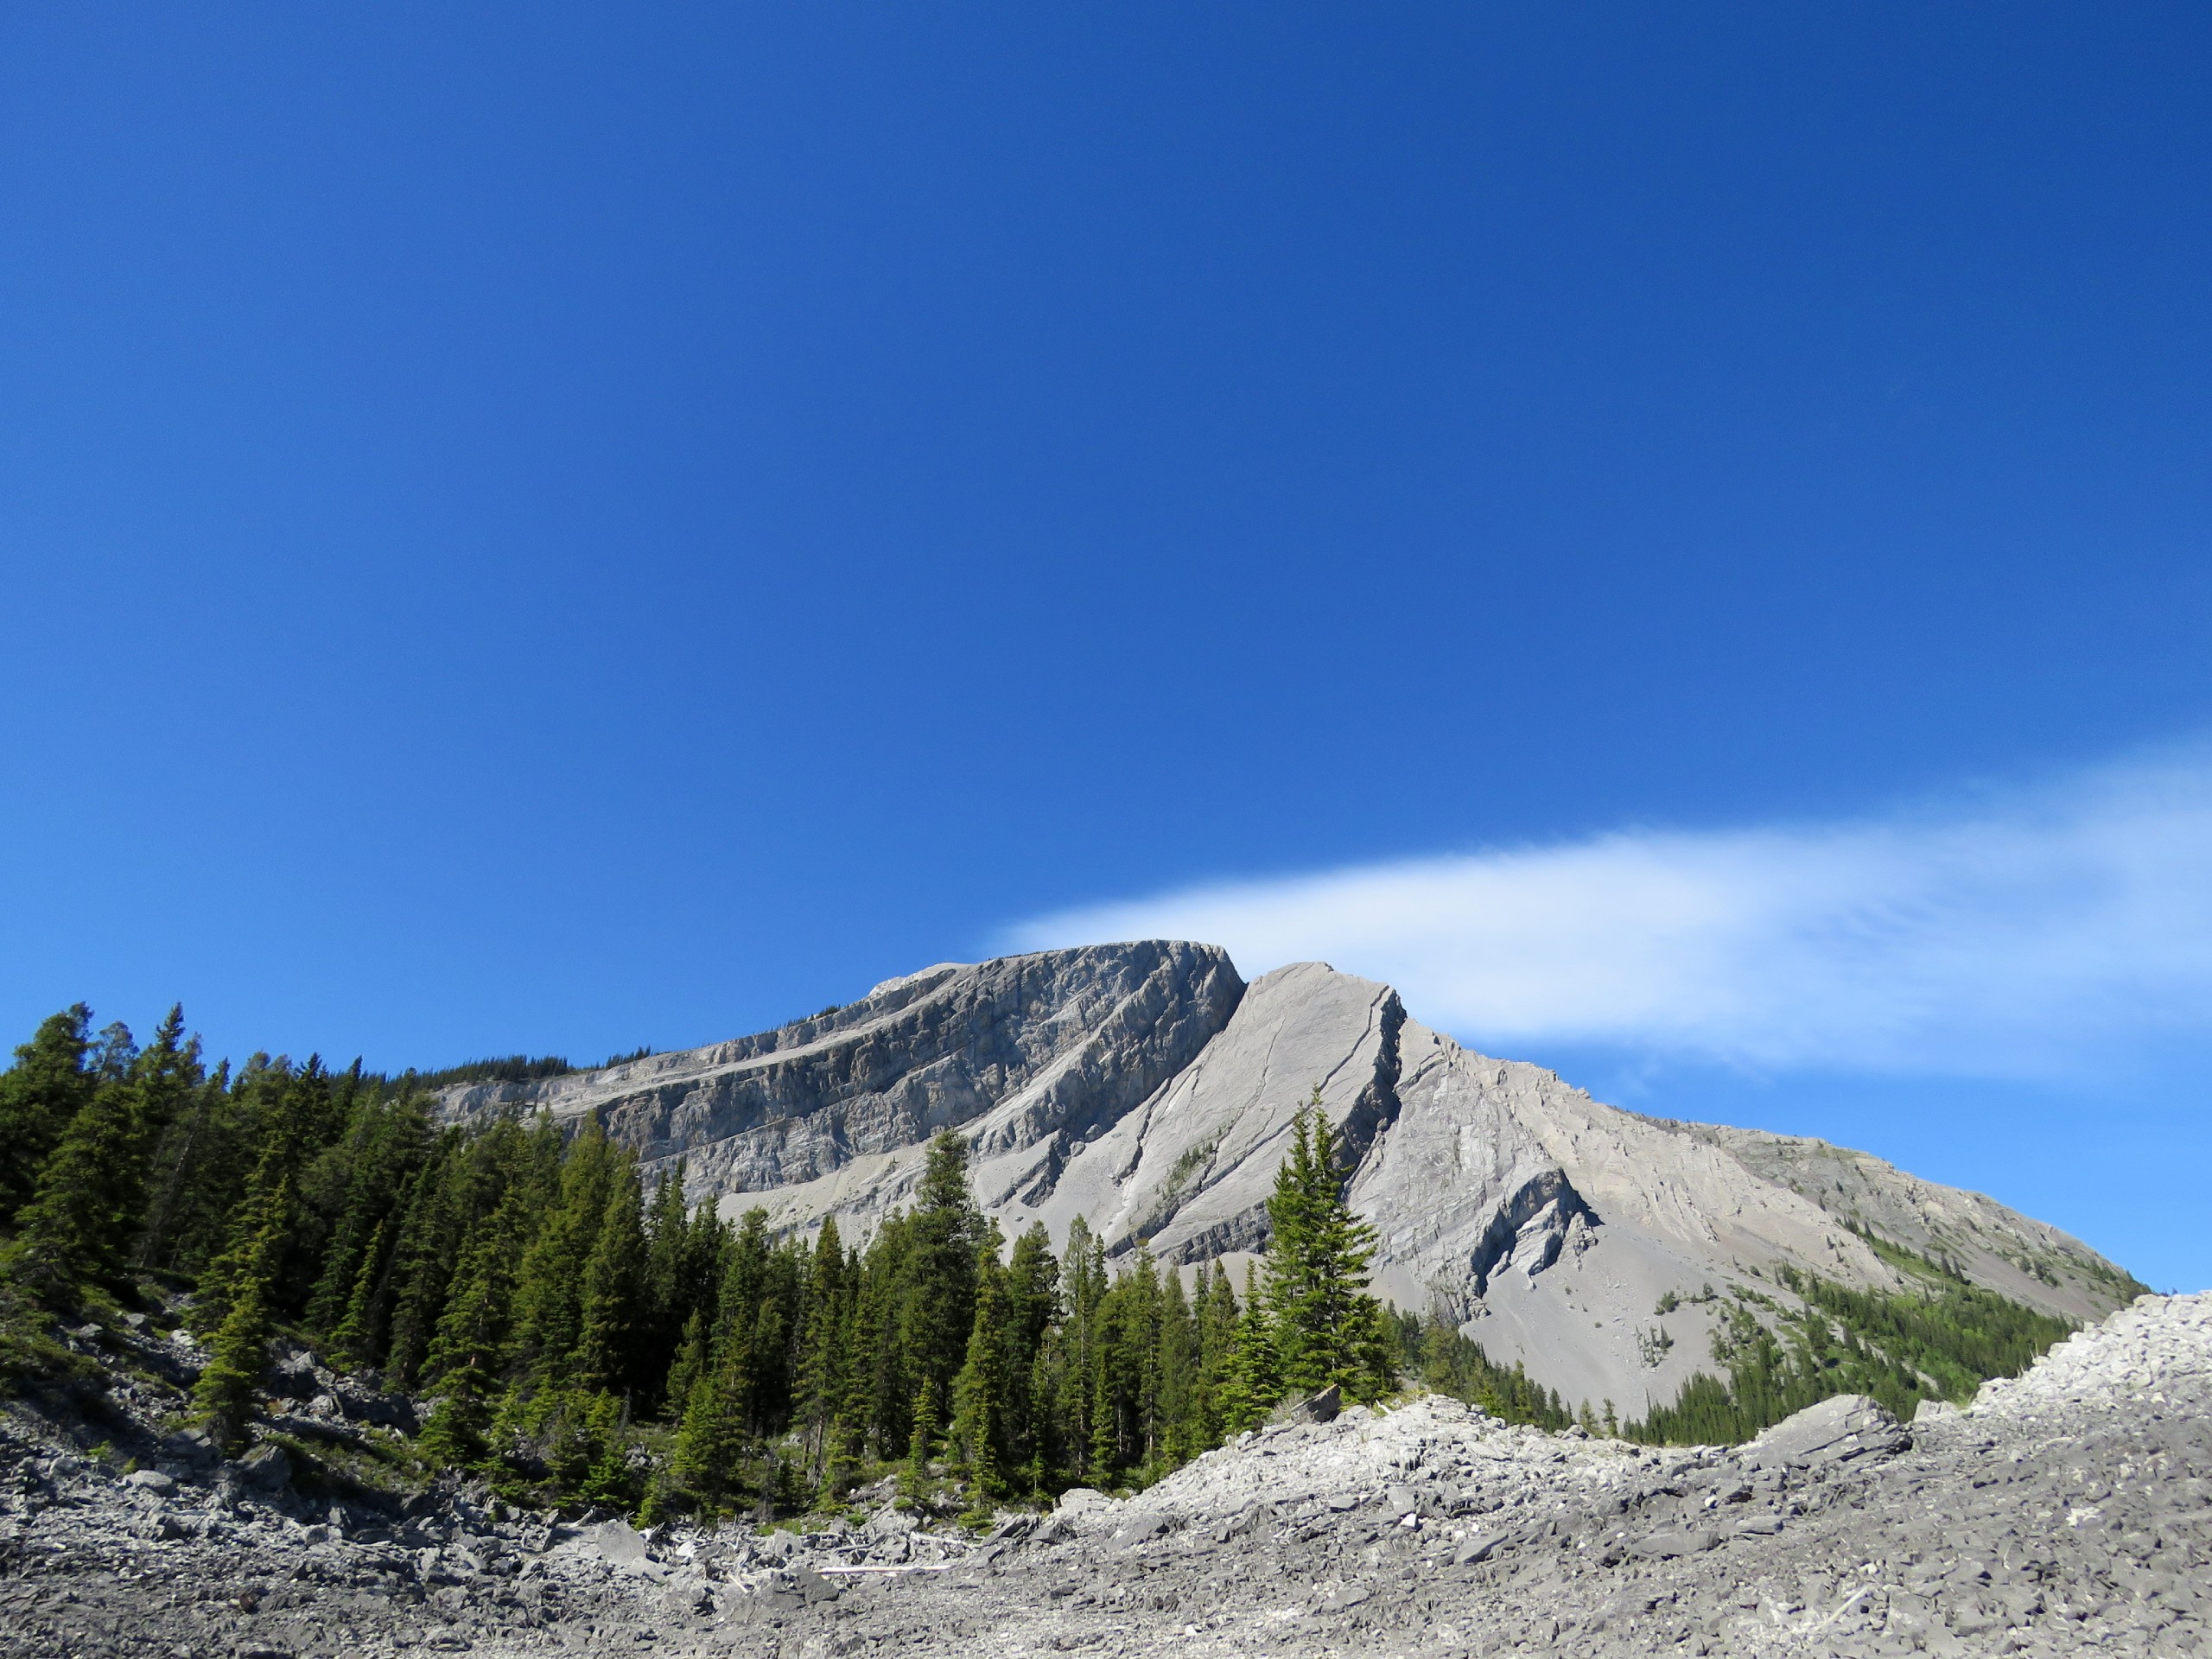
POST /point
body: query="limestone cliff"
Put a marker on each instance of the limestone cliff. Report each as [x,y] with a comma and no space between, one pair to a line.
[1144,1087]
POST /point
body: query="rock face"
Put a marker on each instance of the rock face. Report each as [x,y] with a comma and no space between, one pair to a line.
[2067,1512]
[1144,1087]
[1023,1054]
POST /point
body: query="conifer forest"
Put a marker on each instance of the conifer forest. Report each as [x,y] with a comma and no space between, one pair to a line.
[581,1334]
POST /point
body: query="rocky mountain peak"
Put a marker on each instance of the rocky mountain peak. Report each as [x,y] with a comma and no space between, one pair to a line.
[1144,1087]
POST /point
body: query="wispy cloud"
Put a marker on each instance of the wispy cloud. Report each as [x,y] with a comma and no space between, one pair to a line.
[2022,936]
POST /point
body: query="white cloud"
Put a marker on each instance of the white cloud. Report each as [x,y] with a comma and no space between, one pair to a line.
[2023,936]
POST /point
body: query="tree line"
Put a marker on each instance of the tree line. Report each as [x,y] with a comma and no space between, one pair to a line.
[584,1332]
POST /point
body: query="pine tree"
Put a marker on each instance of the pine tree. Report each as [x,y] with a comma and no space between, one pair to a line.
[1177,1437]
[198,1171]
[669,1298]
[224,1393]
[1084,1275]
[916,1484]
[1216,1314]
[938,1299]
[384,1144]
[1316,1269]
[40,1096]
[76,1232]
[470,1356]
[353,1343]
[820,1385]
[550,1290]
[688,1366]
[422,1259]
[1253,1384]
[614,1312]
[710,1447]
[981,1391]
[1033,1293]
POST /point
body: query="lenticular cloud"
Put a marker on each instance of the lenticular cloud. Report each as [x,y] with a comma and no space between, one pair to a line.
[2019,936]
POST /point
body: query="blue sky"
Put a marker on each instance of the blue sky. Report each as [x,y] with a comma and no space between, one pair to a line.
[1680,537]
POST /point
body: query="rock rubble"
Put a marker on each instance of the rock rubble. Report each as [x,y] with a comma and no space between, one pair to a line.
[2067,1512]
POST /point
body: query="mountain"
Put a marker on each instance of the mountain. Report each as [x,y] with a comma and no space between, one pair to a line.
[1144,1087]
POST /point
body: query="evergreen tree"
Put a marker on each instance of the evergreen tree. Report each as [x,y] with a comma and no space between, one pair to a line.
[710,1447]
[1033,1294]
[1178,1435]
[355,1341]
[384,1144]
[470,1355]
[1216,1315]
[200,1167]
[75,1233]
[40,1095]
[1317,1270]
[550,1290]
[669,1298]
[614,1315]
[224,1393]
[1074,1379]
[938,1299]
[917,1486]
[1253,1383]
[982,1390]
[689,1365]
[819,1388]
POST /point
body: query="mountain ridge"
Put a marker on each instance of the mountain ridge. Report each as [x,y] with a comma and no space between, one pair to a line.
[1146,1087]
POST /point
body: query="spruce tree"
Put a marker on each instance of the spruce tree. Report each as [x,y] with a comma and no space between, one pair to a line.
[383,1146]
[353,1343]
[1216,1315]
[224,1393]
[1253,1383]
[549,1289]
[1318,1255]
[199,1170]
[981,1391]
[613,1312]
[688,1366]
[1177,1437]
[668,1299]
[75,1233]
[917,1486]
[1084,1275]
[1033,1292]
[470,1356]
[711,1447]
[939,1297]
[819,1389]
[40,1095]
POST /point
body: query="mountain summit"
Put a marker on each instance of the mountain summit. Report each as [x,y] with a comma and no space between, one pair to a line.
[1146,1087]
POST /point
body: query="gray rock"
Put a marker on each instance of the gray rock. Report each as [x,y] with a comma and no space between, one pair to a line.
[150,1480]
[1146,1088]
[2066,1514]
[1837,1430]
[1669,1546]
[265,1467]
[1321,1408]
[622,1546]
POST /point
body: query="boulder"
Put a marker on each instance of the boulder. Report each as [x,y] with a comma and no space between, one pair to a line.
[622,1546]
[265,1467]
[1838,1430]
[1322,1407]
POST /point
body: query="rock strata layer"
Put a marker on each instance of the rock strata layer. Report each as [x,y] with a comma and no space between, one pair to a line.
[1146,1088]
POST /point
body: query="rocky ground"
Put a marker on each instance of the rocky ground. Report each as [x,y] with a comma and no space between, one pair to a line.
[2067,1512]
